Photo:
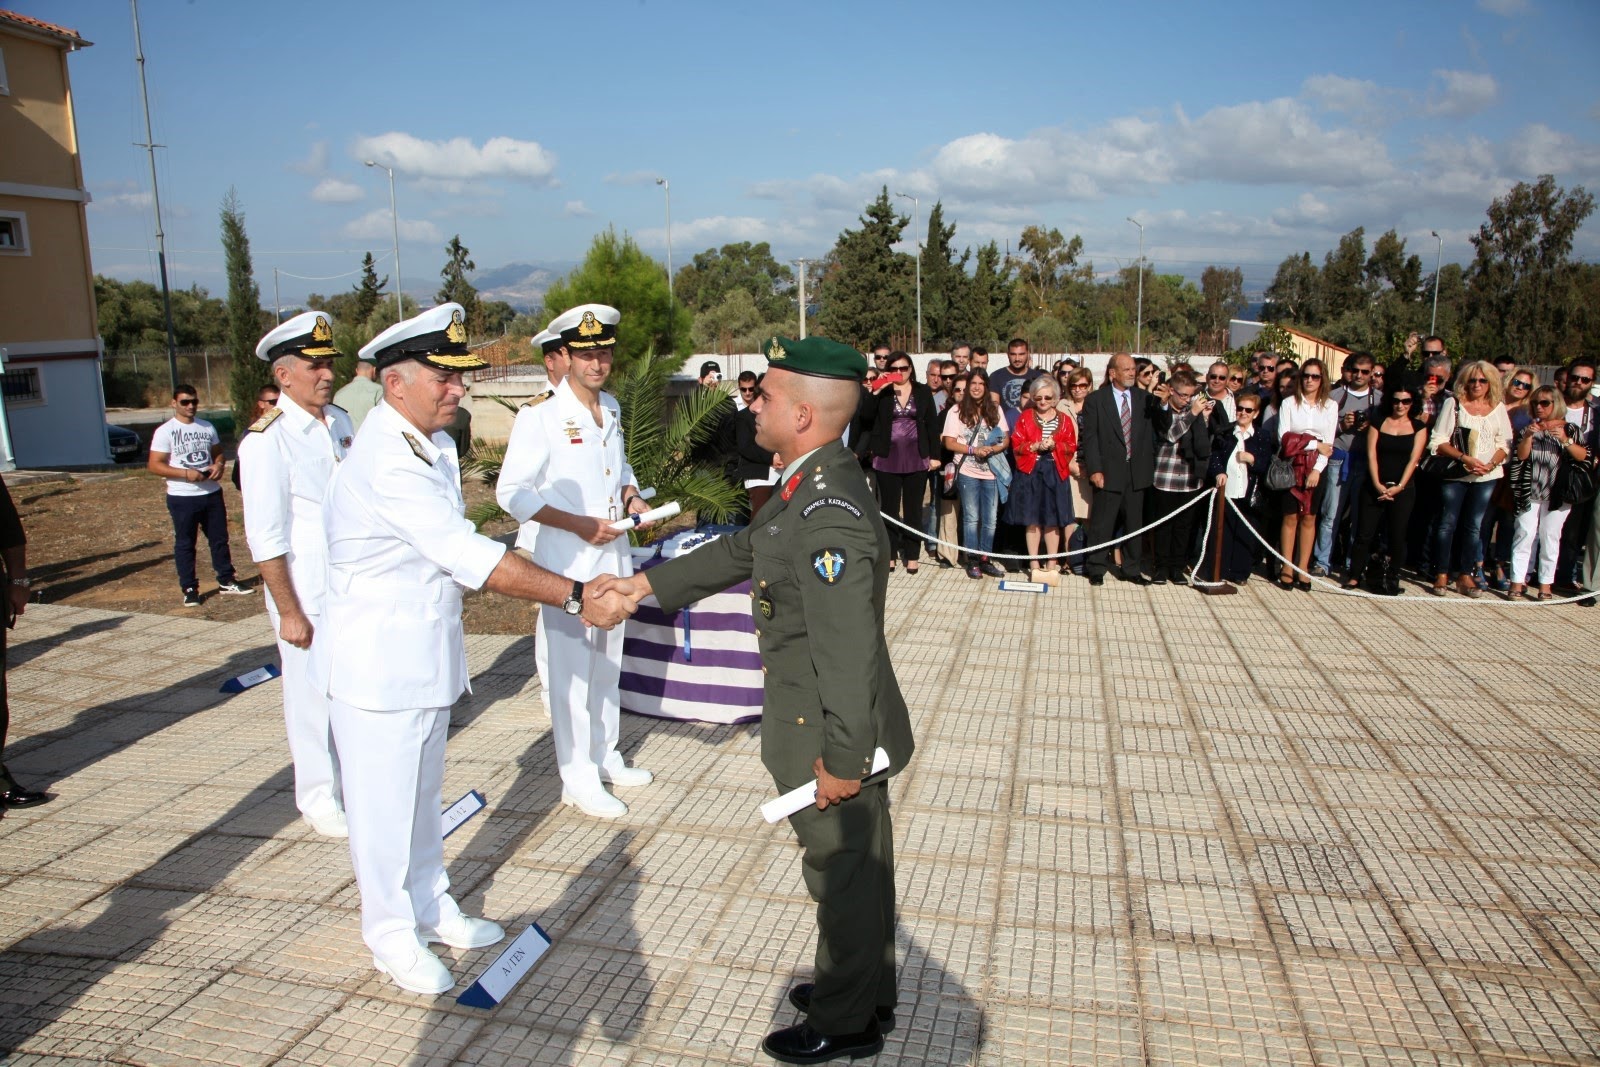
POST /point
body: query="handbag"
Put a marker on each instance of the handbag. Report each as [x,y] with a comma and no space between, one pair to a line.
[1437,466]
[1280,473]
[947,482]
[1575,482]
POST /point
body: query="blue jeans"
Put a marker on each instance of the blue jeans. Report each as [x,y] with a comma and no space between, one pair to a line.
[980,501]
[1461,506]
[1328,521]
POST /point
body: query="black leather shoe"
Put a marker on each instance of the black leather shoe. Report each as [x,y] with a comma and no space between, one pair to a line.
[18,797]
[800,997]
[1135,579]
[1097,579]
[801,1044]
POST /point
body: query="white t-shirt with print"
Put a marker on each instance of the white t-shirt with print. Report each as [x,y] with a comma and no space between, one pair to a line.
[187,445]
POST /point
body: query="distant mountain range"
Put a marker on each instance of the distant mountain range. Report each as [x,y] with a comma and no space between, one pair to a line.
[522,285]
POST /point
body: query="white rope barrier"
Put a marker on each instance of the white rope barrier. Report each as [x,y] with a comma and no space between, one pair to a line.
[1335,587]
[921,536]
[1194,571]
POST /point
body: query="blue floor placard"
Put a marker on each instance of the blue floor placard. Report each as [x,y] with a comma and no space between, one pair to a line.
[508,968]
[251,679]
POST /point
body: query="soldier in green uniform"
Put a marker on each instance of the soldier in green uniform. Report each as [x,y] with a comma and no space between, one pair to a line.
[817,558]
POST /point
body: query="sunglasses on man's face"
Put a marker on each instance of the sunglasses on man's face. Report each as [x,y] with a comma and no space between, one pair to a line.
[1216,377]
[189,403]
[1577,380]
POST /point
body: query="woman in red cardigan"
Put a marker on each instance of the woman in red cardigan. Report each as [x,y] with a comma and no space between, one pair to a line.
[1043,444]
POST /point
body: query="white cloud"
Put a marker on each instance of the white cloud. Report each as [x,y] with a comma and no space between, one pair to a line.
[1334,92]
[576,209]
[458,160]
[1462,93]
[716,230]
[336,191]
[123,202]
[1307,209]
[1537,149]
[315,162]
[1507,8]
[377,226]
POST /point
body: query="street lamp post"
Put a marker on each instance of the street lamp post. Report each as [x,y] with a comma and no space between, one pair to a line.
[802,263]
[1438,257]
[915,231]
[394,219]
[666,187]
[1138,329]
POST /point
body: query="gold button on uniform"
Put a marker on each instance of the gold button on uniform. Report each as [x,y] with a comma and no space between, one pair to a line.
[801,721]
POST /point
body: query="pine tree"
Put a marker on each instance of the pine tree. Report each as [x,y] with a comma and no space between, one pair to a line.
[245,321]
[369,291]
[944,283]
[867,289]
[616,272]
[988,298]
[456,287]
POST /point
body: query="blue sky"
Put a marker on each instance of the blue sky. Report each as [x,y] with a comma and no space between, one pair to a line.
[526,128]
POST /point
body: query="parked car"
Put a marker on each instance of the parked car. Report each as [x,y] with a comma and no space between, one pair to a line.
[125,446]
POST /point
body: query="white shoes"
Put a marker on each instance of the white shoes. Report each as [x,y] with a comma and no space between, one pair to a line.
[419,972]
[596,802]
[463,931]
[625,775]
[331,824]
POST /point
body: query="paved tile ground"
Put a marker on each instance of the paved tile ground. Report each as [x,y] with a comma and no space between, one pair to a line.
[1141,829]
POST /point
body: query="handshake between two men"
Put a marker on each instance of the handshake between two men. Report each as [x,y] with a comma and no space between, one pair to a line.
[608,599]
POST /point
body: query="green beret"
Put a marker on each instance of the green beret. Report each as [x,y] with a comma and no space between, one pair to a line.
[816,356]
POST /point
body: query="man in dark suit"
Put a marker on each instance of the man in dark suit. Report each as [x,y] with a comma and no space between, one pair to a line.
[1117,449]
[817,560]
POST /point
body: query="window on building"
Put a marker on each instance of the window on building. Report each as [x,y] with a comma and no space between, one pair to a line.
[22,386]
[13,233]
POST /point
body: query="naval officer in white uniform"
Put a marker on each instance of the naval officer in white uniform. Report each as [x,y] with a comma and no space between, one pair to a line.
[555,368]
[400,553]
[288,458]
[566,475]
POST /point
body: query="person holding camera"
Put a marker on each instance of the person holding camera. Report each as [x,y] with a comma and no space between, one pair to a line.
[1358,401]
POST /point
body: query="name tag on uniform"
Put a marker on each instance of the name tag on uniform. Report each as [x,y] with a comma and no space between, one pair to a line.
[253,678]
[510,967]
[462,810]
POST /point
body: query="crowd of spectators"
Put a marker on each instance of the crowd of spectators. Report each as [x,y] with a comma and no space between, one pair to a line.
[1469,478]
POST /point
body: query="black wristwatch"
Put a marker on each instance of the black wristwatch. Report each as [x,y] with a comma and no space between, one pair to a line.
[573,605]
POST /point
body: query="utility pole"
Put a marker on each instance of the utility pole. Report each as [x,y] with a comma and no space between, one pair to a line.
[914,217]
[1438,257]
[802,263]
[394,221]
[1138,330]
[277,302]
[155,198]
[666,187]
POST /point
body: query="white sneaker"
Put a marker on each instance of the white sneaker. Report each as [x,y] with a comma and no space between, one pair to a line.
[234,589]
[328,825]
[463,931]
[419,972]
[599,803]
[626,775]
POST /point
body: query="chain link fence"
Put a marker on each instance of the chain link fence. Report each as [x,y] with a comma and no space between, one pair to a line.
[140,378]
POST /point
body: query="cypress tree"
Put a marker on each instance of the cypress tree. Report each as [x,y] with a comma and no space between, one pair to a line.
[246,322]
[866,294]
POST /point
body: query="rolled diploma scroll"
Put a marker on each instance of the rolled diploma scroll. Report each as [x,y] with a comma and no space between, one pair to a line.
[665,511]
[795,799]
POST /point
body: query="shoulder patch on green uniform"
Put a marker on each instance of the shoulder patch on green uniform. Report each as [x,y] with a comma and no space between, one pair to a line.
[540,399]
[416,446]
[829,502]
[264,421]
[828,563]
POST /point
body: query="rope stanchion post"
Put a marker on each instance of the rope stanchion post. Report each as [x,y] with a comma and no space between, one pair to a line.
[1217,587]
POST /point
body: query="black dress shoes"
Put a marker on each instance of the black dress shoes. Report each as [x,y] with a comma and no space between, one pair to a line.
[13,795]
[1097,579]
[800,997]
[1135,579]
[801,1044]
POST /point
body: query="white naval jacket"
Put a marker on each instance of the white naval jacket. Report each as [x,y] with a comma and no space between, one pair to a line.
[557,456]
[284,471]
[400,551]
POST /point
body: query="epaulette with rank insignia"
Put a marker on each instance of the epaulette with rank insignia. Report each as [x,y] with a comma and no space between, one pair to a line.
[416,446]
[264,421]
[540,399]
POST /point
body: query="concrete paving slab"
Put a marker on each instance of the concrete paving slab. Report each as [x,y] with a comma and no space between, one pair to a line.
[1117,845]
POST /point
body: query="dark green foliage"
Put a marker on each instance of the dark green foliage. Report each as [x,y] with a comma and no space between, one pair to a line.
[867,292]
[712,275]
[246,322]
[456,288]
[617,273]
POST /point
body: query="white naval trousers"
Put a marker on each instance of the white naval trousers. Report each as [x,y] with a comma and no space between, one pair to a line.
[305,716]
[393,798]
[585,669]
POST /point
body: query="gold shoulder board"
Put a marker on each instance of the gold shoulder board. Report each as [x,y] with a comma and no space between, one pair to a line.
[264,421]
[540,399]
[416,447]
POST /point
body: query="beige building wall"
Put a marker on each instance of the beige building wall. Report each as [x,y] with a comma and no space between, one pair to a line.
[49,294]
[36,126]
